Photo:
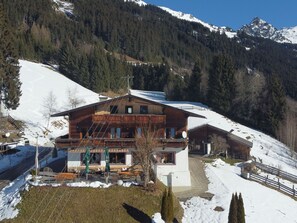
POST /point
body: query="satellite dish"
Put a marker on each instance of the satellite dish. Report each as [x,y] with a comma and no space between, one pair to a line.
[184,134]
[7,135]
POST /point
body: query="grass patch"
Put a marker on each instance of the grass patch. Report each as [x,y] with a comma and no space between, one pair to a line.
[115,204]
[231,161]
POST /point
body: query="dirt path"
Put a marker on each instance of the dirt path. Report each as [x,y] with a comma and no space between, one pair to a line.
[198,179]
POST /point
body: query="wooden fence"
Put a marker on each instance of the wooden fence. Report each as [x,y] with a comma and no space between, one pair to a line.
[274,184]
[277,172]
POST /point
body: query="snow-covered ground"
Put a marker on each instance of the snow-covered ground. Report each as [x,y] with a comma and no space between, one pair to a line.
[39,81]
[261,203]
[64,7]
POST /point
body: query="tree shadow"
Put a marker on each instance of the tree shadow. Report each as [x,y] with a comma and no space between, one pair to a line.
[137,214]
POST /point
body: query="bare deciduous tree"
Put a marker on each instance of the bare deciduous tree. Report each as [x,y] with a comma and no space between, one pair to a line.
[287,131]
[219,144]
[145,146]
[73,99]
[49,107]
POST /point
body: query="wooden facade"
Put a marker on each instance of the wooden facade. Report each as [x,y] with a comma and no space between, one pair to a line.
[114,123]
[199,138]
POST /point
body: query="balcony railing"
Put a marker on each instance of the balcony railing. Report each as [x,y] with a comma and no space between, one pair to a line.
[129,119]
[116,143]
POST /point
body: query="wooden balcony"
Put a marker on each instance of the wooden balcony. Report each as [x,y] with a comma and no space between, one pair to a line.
[116,143]
[137,119]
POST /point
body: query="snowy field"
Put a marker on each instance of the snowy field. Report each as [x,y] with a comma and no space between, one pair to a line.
[39,81]
[261,203]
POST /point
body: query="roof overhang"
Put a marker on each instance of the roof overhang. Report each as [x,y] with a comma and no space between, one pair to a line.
[65,113]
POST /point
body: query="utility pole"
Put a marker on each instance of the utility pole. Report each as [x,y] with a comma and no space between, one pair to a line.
[128,77]
[36,159]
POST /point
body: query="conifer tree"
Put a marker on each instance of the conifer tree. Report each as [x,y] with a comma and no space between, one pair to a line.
[232,218]
[167,209]
[164,205]
[240,210]
[221,84]
[170,210]
[9,65]
[194,93]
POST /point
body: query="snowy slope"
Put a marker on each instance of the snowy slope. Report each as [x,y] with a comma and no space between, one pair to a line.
[261,204]
[138,2]
[290,34]
[64,7]
[191,18]
[38,80]
[265,148]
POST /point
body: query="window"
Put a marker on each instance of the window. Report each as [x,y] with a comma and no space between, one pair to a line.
[95,158]
[139,132]
[143,109]
[117,158]
[112,133]
[114,109]
[170,133]
[118,134]
[165,157]
[129,110]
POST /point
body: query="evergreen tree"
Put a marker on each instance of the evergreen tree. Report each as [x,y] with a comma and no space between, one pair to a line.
[221,84]
[9,65]
[272,107]
[170,210]
[164,205]
[167,209]
[240,210]
[232,217]
[194,93]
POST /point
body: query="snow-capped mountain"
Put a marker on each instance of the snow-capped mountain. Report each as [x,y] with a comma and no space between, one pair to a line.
[260,28]
[290,34]
[138,2]
[191,18]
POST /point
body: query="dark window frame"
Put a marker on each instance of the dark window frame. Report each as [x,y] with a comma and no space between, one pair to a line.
[143,109]
[114,109]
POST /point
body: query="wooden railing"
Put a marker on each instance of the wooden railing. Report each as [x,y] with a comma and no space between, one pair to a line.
[277,171]
[274,184]
[116,143]
[130,119]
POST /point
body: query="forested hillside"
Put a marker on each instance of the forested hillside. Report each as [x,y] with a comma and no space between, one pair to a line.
[245,78]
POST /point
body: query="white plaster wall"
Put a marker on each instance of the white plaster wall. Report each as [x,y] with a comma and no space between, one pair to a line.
[177,175]
[73,160]
[129,159]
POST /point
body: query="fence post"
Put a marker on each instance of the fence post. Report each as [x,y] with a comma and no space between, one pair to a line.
[294,192]
[278,183]
[266,179]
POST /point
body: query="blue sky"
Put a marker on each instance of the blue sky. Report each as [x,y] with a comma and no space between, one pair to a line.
[235,13]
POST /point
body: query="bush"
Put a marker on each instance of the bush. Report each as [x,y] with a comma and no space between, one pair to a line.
[167,209]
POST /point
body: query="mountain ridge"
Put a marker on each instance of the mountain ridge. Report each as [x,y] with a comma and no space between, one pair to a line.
[257,28]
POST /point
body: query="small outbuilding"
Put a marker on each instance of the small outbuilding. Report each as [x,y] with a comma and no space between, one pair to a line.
[203,140]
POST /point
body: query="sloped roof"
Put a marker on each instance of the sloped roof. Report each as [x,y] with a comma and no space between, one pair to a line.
[64,113]
[229,133]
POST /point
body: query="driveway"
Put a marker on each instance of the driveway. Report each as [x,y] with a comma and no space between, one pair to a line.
[12,173]
[199,180]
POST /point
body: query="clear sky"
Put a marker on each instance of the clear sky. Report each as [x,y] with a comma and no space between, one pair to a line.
[235,13]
